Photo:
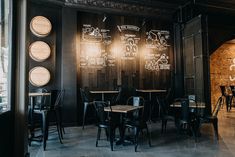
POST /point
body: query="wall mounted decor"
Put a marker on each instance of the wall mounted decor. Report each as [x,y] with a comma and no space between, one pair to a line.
[39,51]
[39,76]
[40,26]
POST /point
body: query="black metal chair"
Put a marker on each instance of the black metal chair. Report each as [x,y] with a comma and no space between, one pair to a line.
[106,121]
[87,101]
[165,115]
[213,118]
[188,120]
[51,110]
[139,124]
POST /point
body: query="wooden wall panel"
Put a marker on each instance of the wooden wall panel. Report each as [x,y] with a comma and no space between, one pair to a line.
[129,56]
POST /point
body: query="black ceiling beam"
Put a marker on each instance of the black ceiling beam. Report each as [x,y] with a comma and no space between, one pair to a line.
[116,7]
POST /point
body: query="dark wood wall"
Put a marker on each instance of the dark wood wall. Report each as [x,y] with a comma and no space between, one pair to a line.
[53,40]
[69,66]
[125,69]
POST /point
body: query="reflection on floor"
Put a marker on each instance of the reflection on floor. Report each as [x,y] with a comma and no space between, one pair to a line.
[81,143]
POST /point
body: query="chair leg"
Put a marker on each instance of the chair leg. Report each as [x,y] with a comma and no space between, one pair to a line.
[60,124]
[165,125]
[215,125]
[137,139]
[111,137]
[98,136]
[107,134]
[149,138]
[58,127]
[162,125]
[84,114]
[45,129]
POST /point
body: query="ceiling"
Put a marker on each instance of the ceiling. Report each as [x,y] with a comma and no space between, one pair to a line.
[164,9]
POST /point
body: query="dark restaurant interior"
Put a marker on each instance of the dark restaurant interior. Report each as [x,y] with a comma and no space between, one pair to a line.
[87,78]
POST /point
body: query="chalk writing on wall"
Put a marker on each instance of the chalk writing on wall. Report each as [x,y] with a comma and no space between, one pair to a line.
[129,35]
[157,39]
[94,47]
[231,68]
[156,62]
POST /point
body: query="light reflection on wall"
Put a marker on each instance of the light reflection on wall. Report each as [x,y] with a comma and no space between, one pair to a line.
[91,49]
[116,50]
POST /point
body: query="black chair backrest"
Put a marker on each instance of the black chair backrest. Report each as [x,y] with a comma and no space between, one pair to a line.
[116,98]
[222,88]
[185,109]
[162,104]
[84,95]
[217,107]
[58,95]
[101,114]
[135,101]
[169,96]
[42,100]
[145,113]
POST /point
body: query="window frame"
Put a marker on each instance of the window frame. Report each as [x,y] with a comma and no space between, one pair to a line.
[10,32]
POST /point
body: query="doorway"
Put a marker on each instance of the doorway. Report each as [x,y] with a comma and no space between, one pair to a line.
[222,70]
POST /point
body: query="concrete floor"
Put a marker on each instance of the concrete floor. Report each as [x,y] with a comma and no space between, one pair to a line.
[81,143]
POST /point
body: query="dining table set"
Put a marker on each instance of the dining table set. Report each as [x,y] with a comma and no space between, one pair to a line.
[150,97]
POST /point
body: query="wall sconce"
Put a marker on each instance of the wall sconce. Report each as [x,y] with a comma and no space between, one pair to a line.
[104,18]
[143,22]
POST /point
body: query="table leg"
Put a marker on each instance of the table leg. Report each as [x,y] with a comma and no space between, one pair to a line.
[150,103]
[102,96]
[31,116]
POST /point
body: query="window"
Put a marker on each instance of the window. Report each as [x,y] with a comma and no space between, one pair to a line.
[5,54]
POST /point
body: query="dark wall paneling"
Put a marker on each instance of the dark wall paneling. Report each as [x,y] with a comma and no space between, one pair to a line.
[178,62]
[128,47]
[69,65]
[53,40]
[196,61]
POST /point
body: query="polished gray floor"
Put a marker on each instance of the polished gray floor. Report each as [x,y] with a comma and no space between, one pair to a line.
[81,143]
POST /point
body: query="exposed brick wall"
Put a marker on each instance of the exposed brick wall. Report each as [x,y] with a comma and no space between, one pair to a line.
[221,70]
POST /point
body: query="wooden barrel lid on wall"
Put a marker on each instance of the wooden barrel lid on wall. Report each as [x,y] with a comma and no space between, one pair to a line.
[39,51]
[39,76]
[40,26]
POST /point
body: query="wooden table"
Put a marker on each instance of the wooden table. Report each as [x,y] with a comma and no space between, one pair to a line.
[104,92]
[200,105]
[122,108]
[150,91]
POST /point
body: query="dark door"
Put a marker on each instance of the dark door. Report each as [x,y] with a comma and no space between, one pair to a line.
[196,60]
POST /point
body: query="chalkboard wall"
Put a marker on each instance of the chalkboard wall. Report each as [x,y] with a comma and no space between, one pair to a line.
[123,50]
